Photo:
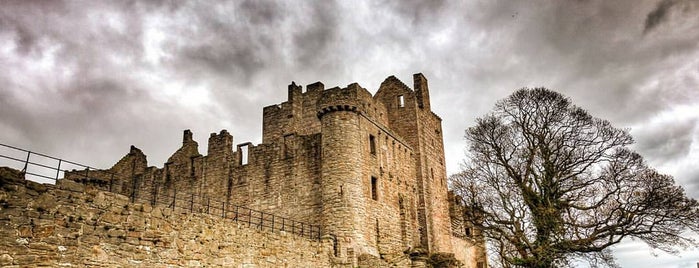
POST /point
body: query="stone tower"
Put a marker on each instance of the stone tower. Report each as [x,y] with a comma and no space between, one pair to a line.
[410,116]
[341,184]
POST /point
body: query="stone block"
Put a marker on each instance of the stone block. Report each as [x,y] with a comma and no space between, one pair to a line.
[111,217]
[45,202]
[6,259]
[25,231]
[43,246]
[39,188]
[43,231]
[25,260]
[70,185]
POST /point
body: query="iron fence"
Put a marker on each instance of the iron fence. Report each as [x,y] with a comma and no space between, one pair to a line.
[48,169]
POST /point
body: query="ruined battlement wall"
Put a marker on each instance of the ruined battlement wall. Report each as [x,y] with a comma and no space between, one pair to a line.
[282,178]
[69,224]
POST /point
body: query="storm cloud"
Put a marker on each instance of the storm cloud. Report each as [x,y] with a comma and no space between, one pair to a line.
[84,80]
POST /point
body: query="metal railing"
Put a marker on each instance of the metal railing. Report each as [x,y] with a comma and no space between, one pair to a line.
[48,169]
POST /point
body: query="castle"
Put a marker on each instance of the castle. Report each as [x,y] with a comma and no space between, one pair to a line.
[369,169]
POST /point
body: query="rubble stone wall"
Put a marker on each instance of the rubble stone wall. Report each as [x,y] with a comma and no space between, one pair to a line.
[71,225]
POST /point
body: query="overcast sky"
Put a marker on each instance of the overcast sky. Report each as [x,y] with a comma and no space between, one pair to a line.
[84,80]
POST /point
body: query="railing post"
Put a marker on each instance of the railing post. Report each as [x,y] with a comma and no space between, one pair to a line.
[26,163]
[58,169]
[262,218]
[87,173]
[223,209]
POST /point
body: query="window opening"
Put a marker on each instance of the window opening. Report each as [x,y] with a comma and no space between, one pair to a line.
[192,171]
[401,101]
[372,144]
[244,151]
[374,194]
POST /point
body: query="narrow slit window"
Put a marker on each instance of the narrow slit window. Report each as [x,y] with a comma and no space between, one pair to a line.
[192,170]
[378,234]
[372,144]
[401,101]
[374,188]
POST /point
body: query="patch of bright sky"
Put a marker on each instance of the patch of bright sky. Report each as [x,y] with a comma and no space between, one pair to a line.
[634,253]
[187,94]
[442,37]
[153,39]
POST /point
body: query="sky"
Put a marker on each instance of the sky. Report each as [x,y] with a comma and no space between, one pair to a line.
[84,80]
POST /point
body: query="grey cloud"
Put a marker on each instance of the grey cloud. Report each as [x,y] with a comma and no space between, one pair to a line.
[313,41]
[587,49]
[261,12]
[420,12]
[666,142]
[691,181]
[659,14]
[230,43]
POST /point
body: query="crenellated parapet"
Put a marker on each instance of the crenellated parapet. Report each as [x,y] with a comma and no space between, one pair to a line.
[339,99]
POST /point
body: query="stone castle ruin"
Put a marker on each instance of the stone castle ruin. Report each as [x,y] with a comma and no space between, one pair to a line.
[367,169]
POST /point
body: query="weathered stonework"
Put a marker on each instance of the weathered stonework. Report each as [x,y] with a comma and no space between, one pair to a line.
[73,225]
[369,169]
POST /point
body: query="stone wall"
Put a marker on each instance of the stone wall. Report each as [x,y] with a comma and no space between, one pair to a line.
[71,225]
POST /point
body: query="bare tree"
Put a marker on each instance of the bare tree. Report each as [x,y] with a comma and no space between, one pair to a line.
[548,184]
